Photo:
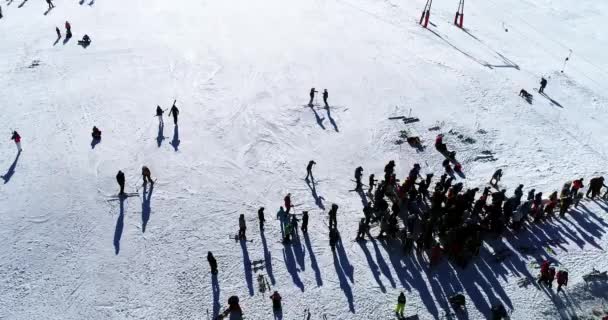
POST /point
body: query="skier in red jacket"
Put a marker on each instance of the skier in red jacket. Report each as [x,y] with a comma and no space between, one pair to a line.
[544,273]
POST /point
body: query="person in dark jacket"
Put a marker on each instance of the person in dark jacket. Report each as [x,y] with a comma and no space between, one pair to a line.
[242,227]
[400,304]
[358,175]
[120,178]
[96,134]
[304,222]
[145,173]
[159,114]
[174,112]
[261,218]
[332,216]
[325,96]
[276,300]
[312,96]
[562,279]
[309,170]
[212,262]
[496,177]
[543,85]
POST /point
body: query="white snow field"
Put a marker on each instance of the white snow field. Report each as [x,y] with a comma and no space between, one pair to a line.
[240,71]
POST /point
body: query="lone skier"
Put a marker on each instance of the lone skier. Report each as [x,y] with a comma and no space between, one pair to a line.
[325,96]
[312,96]
[175,112]
[145,173]
[50,3]
[212,262]
[17,138]
[120,178]
[309,170]
[400,304]
[543,84]
[261,218]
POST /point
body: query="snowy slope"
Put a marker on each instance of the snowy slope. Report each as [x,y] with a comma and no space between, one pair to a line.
[240,71]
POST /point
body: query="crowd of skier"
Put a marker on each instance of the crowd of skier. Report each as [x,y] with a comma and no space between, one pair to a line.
[440,217]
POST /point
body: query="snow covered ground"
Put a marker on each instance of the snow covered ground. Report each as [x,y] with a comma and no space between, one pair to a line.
[240,71]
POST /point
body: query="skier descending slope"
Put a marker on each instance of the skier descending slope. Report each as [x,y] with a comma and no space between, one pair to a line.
[325,96]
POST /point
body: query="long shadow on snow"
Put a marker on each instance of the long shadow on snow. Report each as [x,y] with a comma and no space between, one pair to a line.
[319,119]
[145,207]
[298,250]
[175,142]
[344,285]
[313,260]
[508,63]
[292,268]
[344,263]
[215,286]
[247,267]
[313,190]
[267,258]
[553,102]
[11,170]
[363,197]
[119,225]
[386,271]
[331,120]
[372,265]
[160,136]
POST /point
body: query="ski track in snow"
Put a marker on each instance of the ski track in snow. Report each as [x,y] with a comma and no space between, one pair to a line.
[240,72]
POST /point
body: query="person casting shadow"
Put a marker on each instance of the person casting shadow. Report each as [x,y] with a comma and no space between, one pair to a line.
[11,170]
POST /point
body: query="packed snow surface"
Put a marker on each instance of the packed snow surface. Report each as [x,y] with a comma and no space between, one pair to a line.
[240,71]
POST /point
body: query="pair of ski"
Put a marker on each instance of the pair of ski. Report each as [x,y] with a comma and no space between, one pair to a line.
[263,284]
